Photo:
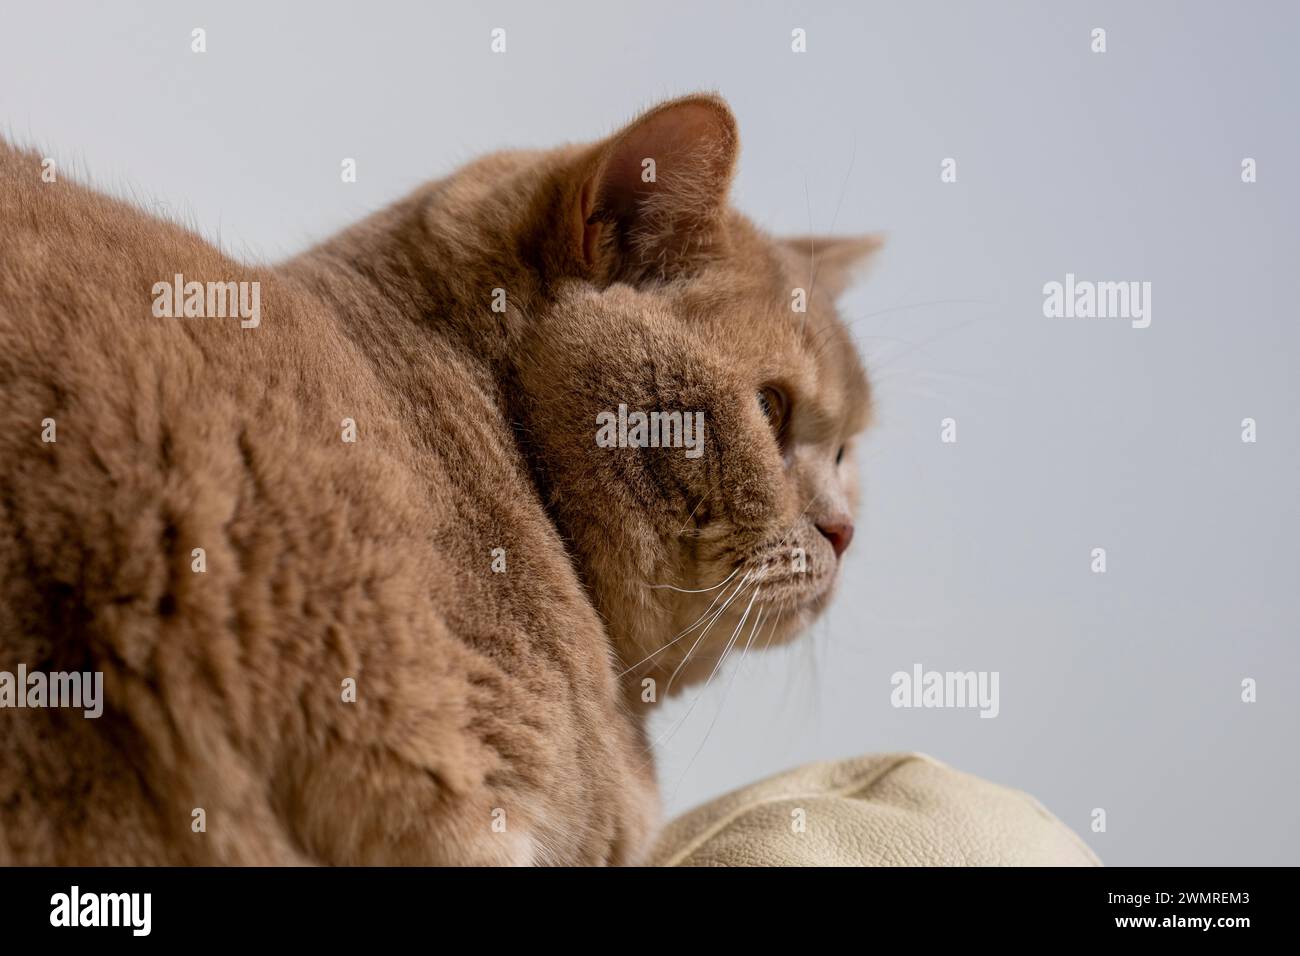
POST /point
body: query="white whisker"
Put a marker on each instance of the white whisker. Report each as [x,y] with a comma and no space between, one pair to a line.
[722,610]
[700,696]
[655,653]
[758,620]
[671,587]
[734,634]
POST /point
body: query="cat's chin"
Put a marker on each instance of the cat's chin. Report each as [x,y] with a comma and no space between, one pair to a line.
[784,615]
[801,597]
[781,624]
[802,615]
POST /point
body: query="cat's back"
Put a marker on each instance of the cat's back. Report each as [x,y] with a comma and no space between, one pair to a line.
[78,272]
[141,439]
[179,511]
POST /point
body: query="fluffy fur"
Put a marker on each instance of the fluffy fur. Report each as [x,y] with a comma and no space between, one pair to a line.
[482,697]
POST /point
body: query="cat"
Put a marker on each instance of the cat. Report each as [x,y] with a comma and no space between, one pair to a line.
[362,585]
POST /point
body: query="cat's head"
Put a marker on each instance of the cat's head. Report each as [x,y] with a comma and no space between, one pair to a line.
[661,316]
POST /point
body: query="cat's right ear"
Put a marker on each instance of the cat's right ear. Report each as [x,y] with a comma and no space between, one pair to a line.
[649,199]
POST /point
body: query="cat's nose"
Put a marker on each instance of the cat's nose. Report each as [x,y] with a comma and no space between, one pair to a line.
[838,531]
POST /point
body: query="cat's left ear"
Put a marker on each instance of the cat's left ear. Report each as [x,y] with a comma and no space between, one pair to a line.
[831,263]
[650,197]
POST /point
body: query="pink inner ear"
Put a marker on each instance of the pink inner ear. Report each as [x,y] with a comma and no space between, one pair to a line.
[687,141]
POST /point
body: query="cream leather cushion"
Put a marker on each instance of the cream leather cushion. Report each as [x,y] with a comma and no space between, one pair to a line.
[877,810]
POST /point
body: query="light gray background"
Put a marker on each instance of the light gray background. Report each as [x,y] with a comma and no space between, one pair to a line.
[1119,691]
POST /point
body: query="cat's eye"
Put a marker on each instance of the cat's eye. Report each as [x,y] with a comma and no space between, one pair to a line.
[775,406]
[839,455]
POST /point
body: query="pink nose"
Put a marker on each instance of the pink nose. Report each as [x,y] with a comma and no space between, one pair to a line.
[838,531]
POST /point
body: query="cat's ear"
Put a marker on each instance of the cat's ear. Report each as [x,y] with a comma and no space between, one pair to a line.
[832,263]
[651,195]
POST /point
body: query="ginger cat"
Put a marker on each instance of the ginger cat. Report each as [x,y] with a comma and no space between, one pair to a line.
[362,583]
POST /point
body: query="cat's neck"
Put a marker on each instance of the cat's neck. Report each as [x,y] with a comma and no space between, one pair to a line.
[456,262]
[386,292]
